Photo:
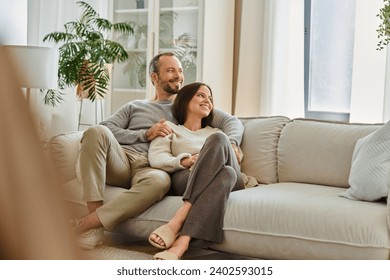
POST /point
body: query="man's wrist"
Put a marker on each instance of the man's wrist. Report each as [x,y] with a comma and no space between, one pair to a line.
[147,135]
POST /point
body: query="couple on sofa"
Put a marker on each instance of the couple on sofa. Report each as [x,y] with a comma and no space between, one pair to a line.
[204,162]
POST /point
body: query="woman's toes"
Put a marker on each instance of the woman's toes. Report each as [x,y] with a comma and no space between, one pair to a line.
[157,239]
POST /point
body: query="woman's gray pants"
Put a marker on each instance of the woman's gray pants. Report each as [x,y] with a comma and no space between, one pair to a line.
[207,187]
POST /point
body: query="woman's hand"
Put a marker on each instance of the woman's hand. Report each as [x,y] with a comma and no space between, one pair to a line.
[189,161]
[237,152]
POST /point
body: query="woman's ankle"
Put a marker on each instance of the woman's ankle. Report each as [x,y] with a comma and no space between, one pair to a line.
[180,246]
[175,226]
[180,217]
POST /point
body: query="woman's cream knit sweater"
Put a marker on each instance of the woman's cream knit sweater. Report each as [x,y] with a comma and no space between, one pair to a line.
[166,152]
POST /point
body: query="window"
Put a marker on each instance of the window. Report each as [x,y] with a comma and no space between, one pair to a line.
[329,49]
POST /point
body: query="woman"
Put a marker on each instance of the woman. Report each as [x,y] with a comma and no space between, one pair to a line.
[205,170]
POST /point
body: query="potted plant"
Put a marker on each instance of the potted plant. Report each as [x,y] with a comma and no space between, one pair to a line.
[85,53]
[384,27]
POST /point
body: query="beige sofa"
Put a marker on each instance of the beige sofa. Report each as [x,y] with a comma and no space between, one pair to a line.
[296,211]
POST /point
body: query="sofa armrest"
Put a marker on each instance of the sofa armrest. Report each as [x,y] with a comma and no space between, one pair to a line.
[64,150]
[388,210]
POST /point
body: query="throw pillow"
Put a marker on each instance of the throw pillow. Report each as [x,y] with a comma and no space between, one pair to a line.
[369,177]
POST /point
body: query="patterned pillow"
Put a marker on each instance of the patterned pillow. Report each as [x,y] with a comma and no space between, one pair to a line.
[369,177]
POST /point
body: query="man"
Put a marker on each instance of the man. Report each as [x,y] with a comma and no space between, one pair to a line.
[115,152]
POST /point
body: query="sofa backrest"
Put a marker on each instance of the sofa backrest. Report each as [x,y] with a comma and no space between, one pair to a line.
[276,149]
[259,145]
[318,152]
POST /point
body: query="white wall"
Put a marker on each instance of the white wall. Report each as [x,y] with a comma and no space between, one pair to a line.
[368,82]
[250,66]
[270,69]
[218,50]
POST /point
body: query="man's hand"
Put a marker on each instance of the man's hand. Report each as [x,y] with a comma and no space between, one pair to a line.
[159,129]
[237,152]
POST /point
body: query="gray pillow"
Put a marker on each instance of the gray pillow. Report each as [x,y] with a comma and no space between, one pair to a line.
[369,177]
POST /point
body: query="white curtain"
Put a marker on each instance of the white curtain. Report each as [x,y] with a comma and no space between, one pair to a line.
[45,16]
[270,74]
[369,68]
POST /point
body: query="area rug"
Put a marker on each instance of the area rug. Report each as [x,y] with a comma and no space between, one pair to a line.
[114,253]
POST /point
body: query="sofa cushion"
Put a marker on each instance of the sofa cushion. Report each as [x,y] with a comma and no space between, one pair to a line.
[259,145]
[304,221]
[319,152]
[370,171]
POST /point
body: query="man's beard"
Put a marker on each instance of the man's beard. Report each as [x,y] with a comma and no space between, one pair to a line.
[169,89]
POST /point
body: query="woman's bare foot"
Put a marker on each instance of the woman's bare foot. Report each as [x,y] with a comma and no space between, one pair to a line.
[179,247]
[175,223]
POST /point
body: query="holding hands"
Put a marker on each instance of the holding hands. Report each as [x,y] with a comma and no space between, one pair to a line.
[189,161]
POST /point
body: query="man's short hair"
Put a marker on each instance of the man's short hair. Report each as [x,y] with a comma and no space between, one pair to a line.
[154,66]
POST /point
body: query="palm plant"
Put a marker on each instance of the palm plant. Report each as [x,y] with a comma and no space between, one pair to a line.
[84,54]
[384,27]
